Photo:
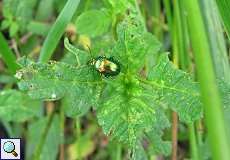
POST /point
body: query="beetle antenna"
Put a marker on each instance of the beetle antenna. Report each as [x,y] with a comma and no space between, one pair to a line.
[90,51]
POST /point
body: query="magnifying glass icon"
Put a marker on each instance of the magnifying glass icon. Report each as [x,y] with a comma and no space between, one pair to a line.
[9,147]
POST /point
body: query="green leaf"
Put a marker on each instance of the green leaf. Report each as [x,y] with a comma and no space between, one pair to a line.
[128,107]
[24,12]
[134,45]
[157,145]
[224,6]
[80,85]
[81,57]
[83,147]
[21,11]
[45,10]
[7,79]
[126,110]
[139,153]
[93,23]
[176,89]
[13,29]
[7,13]
[23,62]
[57,30]
[16,106]
[224,88]
[215,33]
[119,6]
[52,141]
[5,24]
[207,78]
[7,55]
[205,151]
[38,28]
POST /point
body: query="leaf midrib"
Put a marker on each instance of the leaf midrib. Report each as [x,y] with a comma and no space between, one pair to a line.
[154,83]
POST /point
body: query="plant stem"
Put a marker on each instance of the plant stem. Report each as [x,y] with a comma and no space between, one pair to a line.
[78,133]
[168,14]
[200,132]
[118,151]
[209,93]
[38,150]
[58,29]
[174,135]
[193,143]
[180,37]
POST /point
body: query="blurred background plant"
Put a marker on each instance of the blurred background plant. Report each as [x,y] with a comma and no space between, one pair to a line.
[195,32]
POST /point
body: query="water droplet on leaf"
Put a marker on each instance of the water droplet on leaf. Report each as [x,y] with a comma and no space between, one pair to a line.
[18,75]
[53,96]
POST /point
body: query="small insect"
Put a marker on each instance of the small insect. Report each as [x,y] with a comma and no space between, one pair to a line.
[106,66]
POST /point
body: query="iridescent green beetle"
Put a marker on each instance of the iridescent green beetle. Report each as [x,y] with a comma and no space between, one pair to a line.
[106,66]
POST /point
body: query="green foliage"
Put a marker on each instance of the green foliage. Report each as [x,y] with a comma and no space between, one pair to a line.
[55,80]
[57,30]
[17,14]
[224,88]
[133,108]
[38,28]
[17,107]
[217,42]
[7,55]
[175,89]
[83,145]
[97,22]
[134,45]
[118,6]
[139,153]
[82,57]
[129,107]
[157,144]
[224,6]
[205,72]
[44,10]
[94,22]
[126,110]
[52,141]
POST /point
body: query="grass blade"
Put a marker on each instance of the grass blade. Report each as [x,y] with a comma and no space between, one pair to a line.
[180,38]
[193,144]
[7,55]
[224,9]
[216,39]
[210,97]
[57,30]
